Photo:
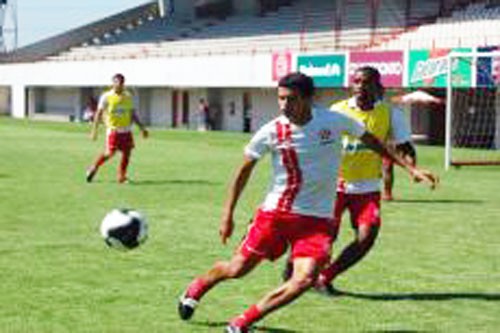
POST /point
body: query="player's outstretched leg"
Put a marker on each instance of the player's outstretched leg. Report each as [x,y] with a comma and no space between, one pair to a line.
[351,255]
[304,274]
[388,180]
[90,174]
[186,307]
[237,267]
[92,171]
[122,170]
[236,329]
[324,286]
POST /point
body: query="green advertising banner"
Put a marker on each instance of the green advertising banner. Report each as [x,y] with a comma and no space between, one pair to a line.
[327,70]
[428,68]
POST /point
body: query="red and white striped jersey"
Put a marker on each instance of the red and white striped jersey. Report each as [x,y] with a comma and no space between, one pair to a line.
[305,160]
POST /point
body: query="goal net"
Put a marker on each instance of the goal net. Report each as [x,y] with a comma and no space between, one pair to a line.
[473,109]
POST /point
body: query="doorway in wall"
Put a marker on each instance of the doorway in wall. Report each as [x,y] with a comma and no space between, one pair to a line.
[247,112]
[214,98]
[185,108]
[175,105]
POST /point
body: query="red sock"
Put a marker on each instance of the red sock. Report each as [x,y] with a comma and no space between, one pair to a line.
[123,165]
[100,161]
[197,289]
[251,315]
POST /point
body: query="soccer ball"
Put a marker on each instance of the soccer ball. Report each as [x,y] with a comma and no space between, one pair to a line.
[124,229]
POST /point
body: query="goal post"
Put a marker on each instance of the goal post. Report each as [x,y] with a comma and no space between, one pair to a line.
[472,133]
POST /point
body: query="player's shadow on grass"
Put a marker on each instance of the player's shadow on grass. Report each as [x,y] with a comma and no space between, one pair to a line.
[147,182]
[257,328]
[437,201]
[396,331]
[421,296]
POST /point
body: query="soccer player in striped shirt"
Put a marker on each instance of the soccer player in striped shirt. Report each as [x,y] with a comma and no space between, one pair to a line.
[117,107]
[305,146]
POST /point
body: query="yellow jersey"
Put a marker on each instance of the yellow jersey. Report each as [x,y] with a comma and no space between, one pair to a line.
[360,163]
[118,109]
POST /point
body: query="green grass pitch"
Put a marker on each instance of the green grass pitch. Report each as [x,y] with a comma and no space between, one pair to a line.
[436,266]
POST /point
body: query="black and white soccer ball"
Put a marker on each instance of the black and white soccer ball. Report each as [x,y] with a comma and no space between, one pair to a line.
[124,229]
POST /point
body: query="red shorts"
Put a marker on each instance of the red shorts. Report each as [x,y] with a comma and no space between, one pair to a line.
[387,162]
[271,232]
[364,208]
[119,141]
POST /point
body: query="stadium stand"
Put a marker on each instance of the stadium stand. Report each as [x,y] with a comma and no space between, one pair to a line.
[96,32]
[299,26]
[480,21]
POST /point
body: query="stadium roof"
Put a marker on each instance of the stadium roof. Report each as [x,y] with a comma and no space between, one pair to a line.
[78,36]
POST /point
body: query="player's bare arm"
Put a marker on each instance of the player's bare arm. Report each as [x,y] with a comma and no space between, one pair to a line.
[135,119]
[95,123]
[419,174]
[240,180]
[407,151]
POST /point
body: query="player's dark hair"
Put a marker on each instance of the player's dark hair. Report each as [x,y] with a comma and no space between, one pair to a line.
[119,77]
[373,74]
[299,82]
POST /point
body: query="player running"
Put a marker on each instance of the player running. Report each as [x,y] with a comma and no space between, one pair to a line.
[117,107]
[358,190]
[305,146]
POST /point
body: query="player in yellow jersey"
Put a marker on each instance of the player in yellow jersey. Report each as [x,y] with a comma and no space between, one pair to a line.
[361,170]
[116,108]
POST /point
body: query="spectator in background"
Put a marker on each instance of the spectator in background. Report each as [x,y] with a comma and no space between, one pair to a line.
[90,109]
[203,115]
[232,108]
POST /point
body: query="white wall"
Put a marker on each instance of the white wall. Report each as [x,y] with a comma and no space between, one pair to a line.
[265,106]
[63,101]
[19,100]
[214,71]
[160,107]
[4,100]
[157,79]
[233,121]
[187,73]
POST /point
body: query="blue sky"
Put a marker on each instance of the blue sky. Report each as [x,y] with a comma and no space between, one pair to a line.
[39,19]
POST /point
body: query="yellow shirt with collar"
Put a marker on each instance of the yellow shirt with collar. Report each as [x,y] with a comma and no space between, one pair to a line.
[118,109]
[358,161]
